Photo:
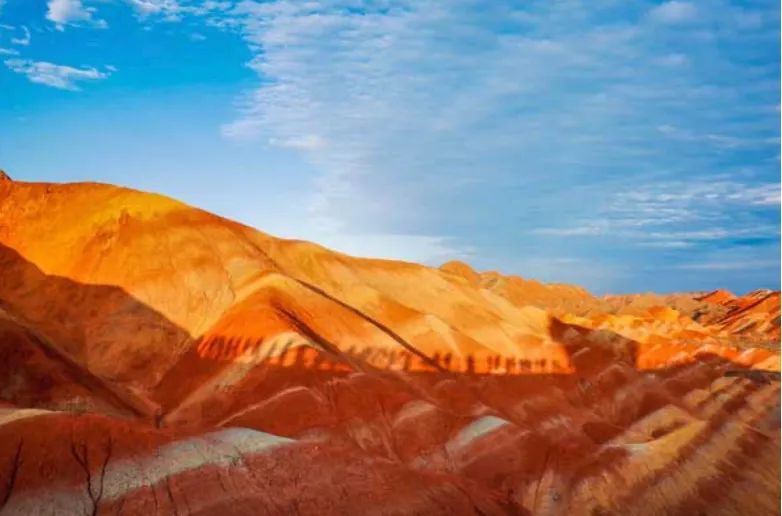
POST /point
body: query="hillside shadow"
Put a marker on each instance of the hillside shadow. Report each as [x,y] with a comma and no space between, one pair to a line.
[248,368]
[298,382]
[61,317]
[245,371]
[577,351]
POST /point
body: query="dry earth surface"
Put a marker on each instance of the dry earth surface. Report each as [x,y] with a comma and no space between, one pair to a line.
[158,359]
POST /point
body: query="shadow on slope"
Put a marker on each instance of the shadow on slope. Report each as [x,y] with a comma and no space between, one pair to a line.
[534,436]
[530,428]
[59,330]
[289,385]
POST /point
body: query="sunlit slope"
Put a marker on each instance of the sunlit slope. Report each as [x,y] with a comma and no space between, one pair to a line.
[189,269]
[554,297]
[159,359]
[196,275]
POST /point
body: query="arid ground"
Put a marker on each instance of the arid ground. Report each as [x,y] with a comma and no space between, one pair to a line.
[158,359]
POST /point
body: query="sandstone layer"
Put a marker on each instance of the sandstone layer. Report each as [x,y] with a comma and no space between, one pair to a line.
[158,359]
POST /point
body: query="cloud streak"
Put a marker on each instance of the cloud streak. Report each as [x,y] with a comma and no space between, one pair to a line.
[681,214]
[25,39]
[57,76]
[730,265]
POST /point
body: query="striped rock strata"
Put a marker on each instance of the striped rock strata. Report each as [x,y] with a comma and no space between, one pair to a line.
[158,359]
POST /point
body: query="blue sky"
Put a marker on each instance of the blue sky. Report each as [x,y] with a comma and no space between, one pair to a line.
[623,146]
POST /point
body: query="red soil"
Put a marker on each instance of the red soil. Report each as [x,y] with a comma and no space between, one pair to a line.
[157,359]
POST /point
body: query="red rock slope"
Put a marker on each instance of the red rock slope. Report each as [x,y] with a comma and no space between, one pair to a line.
[753,317]
[157,359]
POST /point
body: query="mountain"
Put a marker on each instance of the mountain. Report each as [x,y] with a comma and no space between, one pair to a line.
[159,359]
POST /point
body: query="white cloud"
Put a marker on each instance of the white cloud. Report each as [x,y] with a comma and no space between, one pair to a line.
[591,229]
[351,88]
[72,12]
[678,214]
[683,195]
[667,244]
[461,122]
[674,12]
[243,129]
[729,265]
[210,6]
[307,142]
[8,52]
[24,40]
[54,75]
[717,140]
[147,7]
[668,238]
[703,234]
[173,11]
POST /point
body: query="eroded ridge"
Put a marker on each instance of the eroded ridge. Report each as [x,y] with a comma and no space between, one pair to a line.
[157,359]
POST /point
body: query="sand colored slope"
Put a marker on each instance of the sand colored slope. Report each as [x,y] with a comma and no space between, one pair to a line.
[189,268]
[158,359]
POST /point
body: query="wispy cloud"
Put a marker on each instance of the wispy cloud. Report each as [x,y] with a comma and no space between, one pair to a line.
[732,265]
[174,10]
[719,140]
[72,12]
[678,214]
[427,119]
[540,128]
[54,75]
[168,10]
[674,12]
[686,200]
[590,229]
[25,39]
[155,6]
